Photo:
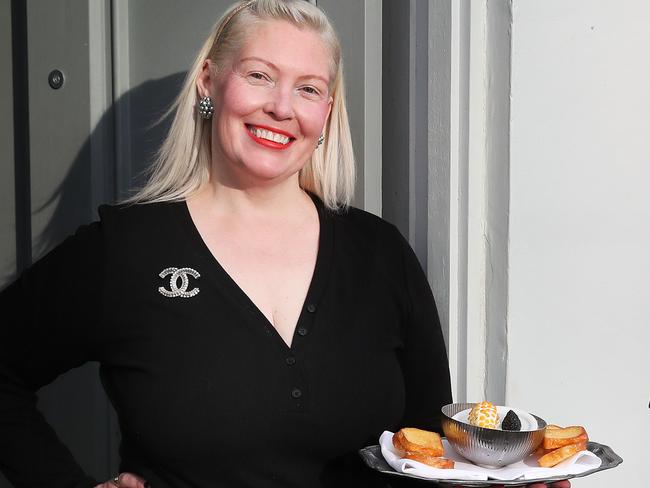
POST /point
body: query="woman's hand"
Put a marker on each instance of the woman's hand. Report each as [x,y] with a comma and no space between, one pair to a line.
[555,484]
[130,480]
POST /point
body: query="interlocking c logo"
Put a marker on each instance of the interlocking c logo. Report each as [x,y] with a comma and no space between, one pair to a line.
[173,281]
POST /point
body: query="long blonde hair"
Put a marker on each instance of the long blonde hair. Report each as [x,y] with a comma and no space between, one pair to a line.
[182,164]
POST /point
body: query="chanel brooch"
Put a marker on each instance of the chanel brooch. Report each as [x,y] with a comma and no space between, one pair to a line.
[175,290]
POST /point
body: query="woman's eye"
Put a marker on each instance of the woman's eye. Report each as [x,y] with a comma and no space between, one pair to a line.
[256,76]
[311,91]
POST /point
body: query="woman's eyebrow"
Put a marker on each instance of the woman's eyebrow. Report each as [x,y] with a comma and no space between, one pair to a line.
[255,58]
[274,67]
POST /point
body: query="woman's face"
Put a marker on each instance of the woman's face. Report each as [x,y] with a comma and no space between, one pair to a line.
[271,105]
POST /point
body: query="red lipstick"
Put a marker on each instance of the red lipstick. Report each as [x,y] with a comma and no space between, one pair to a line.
[266,142]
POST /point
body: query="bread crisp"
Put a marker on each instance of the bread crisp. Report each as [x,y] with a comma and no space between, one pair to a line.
[434,462]
[561,443]
[558,455]
[412,440]
[558,437]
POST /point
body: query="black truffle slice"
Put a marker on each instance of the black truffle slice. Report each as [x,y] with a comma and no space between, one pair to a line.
[511,422]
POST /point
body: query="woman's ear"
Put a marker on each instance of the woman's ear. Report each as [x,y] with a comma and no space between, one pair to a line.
[329,109]
[204,80]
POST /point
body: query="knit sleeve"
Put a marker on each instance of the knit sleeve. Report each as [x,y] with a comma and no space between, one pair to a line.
[424,357]
[47,328]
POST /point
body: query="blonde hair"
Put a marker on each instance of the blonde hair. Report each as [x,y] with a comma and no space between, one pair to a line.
[182,164]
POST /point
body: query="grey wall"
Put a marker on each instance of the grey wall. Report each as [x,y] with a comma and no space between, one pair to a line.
[416,133]
[87,142]
[7,195]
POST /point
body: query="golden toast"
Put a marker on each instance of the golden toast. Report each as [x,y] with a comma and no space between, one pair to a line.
[558,437]
[558,455]
[561,443]
[540,451]
[412,440]
[435,462]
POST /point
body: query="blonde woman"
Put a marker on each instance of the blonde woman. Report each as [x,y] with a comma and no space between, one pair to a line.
[253,329]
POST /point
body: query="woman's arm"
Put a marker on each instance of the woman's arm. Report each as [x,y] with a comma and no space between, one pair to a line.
[424,357]
[47,328]
[426,368]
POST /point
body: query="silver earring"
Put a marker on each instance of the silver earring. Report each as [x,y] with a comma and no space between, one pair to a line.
[206,109]
[321,139]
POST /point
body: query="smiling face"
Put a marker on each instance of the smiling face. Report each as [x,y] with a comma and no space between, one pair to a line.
[270,104]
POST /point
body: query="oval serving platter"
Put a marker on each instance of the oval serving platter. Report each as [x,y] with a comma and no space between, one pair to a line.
[372,457]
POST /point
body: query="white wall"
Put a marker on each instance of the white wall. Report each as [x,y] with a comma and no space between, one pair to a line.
[579,229]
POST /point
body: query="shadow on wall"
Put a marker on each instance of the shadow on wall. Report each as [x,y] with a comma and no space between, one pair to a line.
[132,119]
[75,404]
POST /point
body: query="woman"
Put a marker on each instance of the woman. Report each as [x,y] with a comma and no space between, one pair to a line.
[252,329]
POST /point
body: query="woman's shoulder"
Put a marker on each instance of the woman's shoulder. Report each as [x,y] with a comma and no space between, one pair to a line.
[366,226]
[140,224]
[358,217]
[136,213]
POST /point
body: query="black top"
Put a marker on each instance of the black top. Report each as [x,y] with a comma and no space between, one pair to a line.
[207,392]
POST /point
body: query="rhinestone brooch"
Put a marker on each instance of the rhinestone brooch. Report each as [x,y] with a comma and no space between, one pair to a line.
[175,290]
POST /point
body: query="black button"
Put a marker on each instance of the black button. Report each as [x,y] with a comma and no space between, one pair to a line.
[302,331]
[296,393]
[291,361]
[311,308]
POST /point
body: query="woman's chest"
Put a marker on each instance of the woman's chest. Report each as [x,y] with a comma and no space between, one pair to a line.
[273,270]
[210,367]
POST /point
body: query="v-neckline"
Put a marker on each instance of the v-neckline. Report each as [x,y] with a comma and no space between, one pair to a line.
[305,324]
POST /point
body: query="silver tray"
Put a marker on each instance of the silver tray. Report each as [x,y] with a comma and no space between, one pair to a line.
[371,455]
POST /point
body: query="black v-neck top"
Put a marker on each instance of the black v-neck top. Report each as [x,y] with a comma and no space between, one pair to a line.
[207,392]
[317,284]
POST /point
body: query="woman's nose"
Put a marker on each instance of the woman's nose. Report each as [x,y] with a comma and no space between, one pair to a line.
[280,104]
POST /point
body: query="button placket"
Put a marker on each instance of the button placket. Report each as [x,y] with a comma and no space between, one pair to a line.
[297,387]
[299,391]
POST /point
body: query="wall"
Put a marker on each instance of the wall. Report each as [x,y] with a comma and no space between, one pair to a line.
[7,196]
[578,337]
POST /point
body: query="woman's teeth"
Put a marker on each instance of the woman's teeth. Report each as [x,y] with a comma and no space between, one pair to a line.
[268,135]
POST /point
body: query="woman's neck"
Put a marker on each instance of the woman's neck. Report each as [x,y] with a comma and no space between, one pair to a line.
[280,201]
